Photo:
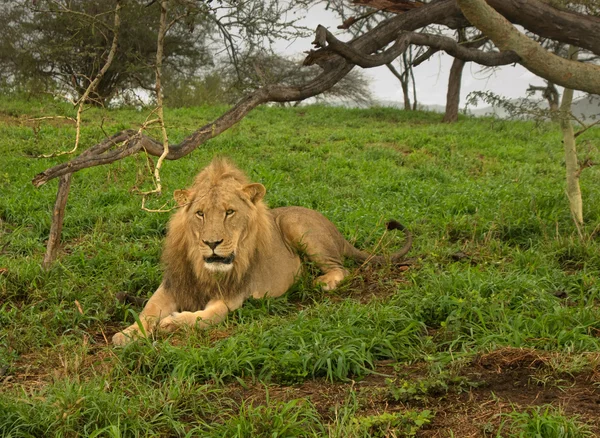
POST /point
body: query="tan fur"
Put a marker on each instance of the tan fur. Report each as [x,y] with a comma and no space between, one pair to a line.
[224,245]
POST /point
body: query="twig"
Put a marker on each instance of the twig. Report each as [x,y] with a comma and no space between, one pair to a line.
[351,20]
[35,119]
[325,39]
[162,30]
[585,128]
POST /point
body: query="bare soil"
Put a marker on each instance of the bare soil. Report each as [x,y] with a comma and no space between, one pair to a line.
[506,380]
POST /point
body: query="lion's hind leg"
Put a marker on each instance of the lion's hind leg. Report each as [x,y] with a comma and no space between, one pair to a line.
[331,279]
[313,235]
[327,257]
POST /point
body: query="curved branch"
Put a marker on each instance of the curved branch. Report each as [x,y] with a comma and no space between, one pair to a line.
[425,56]
[129,142]
[541,18]
[335,67]
[324,38]
[537,16]
[569,74]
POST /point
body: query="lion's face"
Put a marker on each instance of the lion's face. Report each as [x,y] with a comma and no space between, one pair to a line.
[219,221]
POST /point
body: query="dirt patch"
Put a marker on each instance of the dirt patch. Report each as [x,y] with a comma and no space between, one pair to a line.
[472,398]
[498,384]
[373,282]
[508,386]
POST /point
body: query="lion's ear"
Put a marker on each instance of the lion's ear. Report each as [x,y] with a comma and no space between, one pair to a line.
[255,192]
[182,197]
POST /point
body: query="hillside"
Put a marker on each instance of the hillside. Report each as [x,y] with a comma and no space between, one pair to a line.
[586,109]
[491,326]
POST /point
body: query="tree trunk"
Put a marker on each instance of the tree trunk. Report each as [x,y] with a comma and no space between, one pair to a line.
[405,92]
[403,78]
[571,162]
[58,215]
[453,95]
[412,78]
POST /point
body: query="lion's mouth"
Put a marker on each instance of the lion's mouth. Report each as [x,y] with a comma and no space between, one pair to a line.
[219,259]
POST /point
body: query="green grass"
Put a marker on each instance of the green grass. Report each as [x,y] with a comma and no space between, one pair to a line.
[496,263]
[545,421]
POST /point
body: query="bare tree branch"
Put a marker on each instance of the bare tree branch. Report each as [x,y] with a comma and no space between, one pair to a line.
[567,73]
[160,44]
[335,67]
[537,16]
[129,142]
[425,56]
[325,39]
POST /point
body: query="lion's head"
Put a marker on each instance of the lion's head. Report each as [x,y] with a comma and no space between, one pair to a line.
[221,223]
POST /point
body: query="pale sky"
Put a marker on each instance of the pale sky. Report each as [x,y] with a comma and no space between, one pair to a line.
[431,76]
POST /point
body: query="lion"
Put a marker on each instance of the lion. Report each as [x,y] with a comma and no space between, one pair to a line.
[224,245]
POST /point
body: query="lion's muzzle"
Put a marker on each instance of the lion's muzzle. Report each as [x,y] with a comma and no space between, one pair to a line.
[220,259]
[217,263]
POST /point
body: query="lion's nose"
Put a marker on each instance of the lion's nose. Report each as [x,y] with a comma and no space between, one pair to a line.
[212,245]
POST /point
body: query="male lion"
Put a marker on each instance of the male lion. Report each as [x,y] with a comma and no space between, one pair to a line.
[224,245]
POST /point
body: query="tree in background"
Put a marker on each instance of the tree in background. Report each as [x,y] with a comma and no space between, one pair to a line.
[362,16]
[381,45]
[260,69]
[61,44]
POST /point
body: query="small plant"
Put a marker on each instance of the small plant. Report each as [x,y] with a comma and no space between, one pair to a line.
[397,424]
[409,390]
[543,422]
[292,419]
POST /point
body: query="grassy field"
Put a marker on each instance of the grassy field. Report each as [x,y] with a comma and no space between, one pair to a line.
[491,329]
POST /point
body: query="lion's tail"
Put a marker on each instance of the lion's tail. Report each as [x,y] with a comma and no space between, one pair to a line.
[362,256]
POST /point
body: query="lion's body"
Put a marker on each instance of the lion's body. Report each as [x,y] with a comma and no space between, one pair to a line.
[224,245]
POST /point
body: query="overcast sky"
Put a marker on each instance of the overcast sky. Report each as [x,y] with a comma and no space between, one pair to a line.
[431,76]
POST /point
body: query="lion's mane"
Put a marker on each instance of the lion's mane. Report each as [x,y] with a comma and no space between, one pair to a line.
[185,278]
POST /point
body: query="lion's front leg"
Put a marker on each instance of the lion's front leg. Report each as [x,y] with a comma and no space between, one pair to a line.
[214,312]
[158,307]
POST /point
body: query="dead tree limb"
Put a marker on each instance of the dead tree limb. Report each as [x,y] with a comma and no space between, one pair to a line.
[561,71]
[64,184]
[58,215]
[537,16]
[444,12]
[325,39]
[129,142]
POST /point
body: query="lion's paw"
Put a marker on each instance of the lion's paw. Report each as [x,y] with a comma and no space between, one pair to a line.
[169,324]
[330,280]
[175,321]
[124,338]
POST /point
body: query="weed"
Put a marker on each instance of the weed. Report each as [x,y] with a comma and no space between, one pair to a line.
[397,424]
[543,421]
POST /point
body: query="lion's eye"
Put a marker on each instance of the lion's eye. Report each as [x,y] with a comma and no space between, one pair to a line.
[200,214]
[229,212]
